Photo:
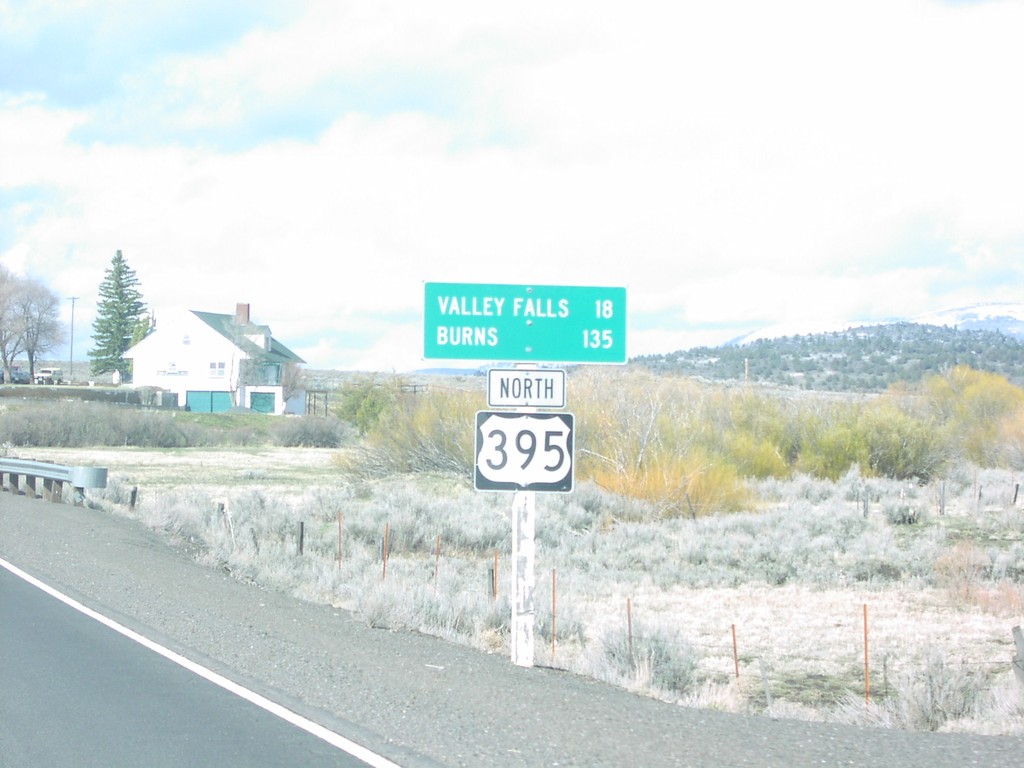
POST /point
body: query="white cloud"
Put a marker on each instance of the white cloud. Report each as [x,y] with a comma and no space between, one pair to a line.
[730,163]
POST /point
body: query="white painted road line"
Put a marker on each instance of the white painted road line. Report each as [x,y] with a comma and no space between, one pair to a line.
[346,745]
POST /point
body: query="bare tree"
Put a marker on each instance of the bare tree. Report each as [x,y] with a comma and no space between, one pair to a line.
[293,380]
[29,320]
[39,310]
[11,329]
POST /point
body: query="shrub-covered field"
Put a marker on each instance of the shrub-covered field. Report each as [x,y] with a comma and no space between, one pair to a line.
[689,448]
[723,548]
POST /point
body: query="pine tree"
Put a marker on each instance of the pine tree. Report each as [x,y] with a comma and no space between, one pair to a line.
[119,313]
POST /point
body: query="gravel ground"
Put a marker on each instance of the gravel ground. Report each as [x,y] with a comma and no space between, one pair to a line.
[416,699]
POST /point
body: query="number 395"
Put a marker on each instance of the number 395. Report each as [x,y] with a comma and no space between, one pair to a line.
[526,446]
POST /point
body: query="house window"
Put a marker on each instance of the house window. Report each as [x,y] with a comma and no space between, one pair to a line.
[186,340]
[272,374]
[217,370]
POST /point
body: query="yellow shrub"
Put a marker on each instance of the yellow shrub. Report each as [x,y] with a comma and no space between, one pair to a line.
[755,456]
[674,485]
[974,405]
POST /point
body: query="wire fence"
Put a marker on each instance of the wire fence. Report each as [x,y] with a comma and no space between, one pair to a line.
[848,667]
[640,634]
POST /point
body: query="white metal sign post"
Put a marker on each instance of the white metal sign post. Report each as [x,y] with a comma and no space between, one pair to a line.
[524,549]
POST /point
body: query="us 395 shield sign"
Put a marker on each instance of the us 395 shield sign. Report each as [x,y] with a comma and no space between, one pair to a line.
[524,451]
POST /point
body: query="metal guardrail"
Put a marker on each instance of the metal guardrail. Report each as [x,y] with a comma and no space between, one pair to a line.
[54,476]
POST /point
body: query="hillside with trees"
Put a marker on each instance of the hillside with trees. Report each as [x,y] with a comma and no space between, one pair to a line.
[862,359]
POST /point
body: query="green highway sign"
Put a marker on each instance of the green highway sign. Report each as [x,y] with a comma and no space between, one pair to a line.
[524,323]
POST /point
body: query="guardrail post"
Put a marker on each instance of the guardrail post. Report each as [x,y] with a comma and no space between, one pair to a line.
[58,491]
[54,476]
[1018,660]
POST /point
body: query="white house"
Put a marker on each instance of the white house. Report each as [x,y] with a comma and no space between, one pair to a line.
[215,362]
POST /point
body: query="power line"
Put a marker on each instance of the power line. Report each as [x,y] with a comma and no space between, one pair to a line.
[71,364]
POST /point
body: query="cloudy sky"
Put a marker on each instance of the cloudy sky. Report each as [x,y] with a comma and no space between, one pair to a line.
[734,164]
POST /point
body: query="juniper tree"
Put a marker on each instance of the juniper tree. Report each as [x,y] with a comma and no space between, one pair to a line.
[119,315]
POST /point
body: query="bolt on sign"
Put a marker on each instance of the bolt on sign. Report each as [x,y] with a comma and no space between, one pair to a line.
[524,323]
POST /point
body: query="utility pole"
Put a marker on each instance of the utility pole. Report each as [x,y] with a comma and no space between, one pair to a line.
[71,366]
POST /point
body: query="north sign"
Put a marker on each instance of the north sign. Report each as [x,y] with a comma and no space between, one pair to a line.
[524,452]
[525,388]
[524,323]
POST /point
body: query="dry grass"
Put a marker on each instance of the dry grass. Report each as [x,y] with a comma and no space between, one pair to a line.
[812,634]
[939,619]
[217,470]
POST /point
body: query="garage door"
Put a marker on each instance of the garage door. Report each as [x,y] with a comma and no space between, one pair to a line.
[263,402]
[200,401]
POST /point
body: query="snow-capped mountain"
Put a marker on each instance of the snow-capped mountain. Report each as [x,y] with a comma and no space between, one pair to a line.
[1006,318]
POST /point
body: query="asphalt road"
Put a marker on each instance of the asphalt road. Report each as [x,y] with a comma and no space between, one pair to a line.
[75,692]
[417,700]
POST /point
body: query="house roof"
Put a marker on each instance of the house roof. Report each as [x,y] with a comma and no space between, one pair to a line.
[227,327]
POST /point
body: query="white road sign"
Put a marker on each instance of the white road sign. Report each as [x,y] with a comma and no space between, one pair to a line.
[524,451]
[525,388]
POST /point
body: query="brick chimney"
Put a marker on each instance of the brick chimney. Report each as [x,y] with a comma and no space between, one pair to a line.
[241,314]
